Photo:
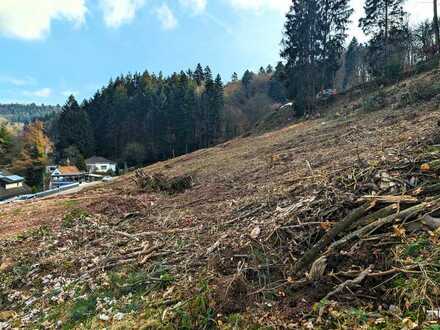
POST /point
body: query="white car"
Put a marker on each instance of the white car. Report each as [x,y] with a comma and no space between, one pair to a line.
[107,179]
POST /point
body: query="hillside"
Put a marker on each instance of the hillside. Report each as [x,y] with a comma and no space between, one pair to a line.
[23,113]
[226,252]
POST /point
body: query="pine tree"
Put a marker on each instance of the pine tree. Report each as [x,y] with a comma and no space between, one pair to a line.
[382,17]
[207,73]
[269,69]
[351,60]
[277,90]
[262,71]
[234,77]
[314,36]
[384,22]
[75,129]
[217,108]
[246,81]
[199,75]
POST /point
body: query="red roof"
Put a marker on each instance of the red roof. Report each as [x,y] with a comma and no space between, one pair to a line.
[69,170]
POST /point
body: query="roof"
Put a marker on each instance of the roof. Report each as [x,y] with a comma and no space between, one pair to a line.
[7,177]
[68,170]
[98,160]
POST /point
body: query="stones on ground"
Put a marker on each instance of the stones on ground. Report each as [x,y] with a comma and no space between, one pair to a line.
[6,264]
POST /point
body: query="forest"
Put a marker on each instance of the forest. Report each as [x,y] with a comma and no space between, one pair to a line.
[25,113]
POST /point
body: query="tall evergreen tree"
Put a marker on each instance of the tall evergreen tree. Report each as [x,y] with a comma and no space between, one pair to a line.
[246,81]
[199,75]
[234,77]
[382,17]
[277,90]
[384,22]
[314,36]
[75,128]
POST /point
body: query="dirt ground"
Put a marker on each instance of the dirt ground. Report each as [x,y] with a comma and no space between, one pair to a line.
[226,227]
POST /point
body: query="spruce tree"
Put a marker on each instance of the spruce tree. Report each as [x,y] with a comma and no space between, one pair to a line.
[75,129]
[199,75]
[384,22]
[351,59]
[314,36]
[246,81]
[234,77]
[382,17]
[277,90]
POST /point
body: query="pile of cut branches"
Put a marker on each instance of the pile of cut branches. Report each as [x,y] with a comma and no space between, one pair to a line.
[160,183]
[393,205]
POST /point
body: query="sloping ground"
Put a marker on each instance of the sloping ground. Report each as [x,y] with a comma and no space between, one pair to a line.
[224,254]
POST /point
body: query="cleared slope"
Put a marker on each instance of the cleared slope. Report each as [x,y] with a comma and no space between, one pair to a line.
[221,253]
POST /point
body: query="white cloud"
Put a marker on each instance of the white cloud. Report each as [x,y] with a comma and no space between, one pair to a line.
[281,6]
[31,19]
[166,17]
[119,12]
[17,81]
[41,93]
[197,6]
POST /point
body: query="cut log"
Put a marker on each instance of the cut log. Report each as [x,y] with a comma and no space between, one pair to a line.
[410,212]
[432,223]
[312,254]
[435,188]
[404,199]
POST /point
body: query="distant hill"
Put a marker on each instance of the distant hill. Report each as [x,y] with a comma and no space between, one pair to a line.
[23,113]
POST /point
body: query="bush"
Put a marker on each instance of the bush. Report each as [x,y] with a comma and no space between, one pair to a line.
[428,65]
[160,183]
[393,72]
[374,102]
[421,90]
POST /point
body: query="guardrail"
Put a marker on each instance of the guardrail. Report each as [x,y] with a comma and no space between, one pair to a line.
[42,194]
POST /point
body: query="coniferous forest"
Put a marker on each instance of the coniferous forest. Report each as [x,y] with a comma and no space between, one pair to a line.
[143,118]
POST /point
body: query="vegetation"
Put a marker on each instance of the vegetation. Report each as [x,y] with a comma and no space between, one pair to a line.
[25,113]
[144,118]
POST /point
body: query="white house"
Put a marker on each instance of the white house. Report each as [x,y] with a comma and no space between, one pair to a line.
[10,181]
[100,165]
[11,185]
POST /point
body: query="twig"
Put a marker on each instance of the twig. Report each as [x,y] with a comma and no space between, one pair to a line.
[350,283]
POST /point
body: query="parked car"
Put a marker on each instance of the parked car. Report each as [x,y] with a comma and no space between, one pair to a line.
[107,179]
[326,94]
[286,106]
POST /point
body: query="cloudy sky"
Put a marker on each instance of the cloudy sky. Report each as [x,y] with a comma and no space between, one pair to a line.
[53,48]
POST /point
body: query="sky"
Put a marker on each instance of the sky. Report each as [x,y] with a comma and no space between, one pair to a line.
[50,49]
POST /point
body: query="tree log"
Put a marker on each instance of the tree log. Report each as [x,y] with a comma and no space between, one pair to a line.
[312,254]
[412,211]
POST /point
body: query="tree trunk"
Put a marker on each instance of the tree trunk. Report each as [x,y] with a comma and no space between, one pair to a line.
[436,28]
[386,31]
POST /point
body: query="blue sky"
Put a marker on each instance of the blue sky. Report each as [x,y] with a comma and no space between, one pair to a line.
[52,48]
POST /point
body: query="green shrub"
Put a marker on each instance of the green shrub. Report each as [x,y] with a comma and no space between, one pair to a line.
[420,91]
[374,102]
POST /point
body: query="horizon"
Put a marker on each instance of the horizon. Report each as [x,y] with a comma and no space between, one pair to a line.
[54,49]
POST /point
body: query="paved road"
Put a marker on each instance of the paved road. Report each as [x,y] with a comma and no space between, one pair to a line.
[77,189]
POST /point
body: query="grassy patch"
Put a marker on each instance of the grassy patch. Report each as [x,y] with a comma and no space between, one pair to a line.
[74,216]
[374,102]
